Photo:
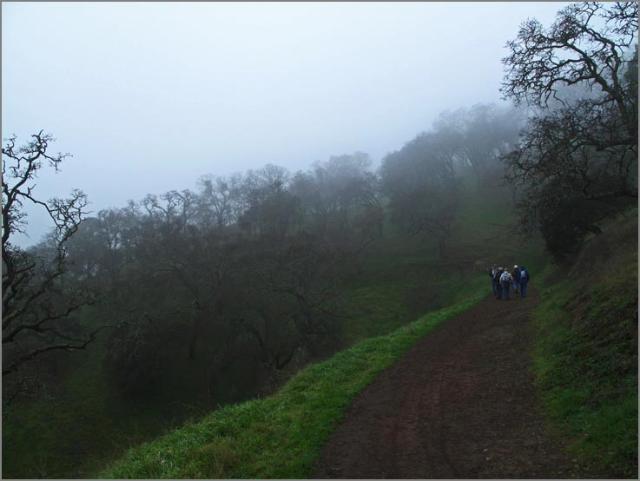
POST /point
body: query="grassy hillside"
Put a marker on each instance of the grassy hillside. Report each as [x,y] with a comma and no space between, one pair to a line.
[586,351]
[279,436]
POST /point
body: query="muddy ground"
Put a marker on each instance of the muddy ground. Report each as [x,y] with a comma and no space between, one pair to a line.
[460,404]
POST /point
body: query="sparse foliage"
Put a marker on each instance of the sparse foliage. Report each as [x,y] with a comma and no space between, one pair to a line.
[36,304]
[579,150]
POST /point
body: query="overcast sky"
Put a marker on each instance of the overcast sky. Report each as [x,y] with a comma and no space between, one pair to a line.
[150,96]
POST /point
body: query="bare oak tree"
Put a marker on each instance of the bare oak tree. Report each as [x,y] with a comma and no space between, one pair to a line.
[35,310]
[580,148]
[588,44]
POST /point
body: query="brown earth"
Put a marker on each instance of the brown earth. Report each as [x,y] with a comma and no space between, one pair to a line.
[460,404]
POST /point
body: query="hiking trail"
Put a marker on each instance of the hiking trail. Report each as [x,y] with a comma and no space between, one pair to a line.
[460,404]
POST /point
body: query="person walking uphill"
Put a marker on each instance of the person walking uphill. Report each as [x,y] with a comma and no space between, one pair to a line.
[505,282]
[496,280]
[524,280]
[515,273]
[492,275]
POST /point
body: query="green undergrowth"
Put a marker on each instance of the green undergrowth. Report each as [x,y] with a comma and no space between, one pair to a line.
[586,352]
[279,436]
[69,435]
[378,308]
[404,276]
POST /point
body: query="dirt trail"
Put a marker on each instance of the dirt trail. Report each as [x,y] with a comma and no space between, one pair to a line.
[459,404]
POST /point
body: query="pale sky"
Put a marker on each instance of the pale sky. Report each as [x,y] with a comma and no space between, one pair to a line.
[148,97]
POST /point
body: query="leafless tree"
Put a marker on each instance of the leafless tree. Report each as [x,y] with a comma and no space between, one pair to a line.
[219,200]
[588,44]
[35,311]
[580,148]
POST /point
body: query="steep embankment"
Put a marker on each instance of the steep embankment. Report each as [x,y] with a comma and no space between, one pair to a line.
[586,350]
[280,436]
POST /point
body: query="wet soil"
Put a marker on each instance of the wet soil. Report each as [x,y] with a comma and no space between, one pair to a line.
[460,404]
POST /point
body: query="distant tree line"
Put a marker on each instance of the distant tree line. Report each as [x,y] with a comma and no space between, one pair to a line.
[422,180]
[247,267]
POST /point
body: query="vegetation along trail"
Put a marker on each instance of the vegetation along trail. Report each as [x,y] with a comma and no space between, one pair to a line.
[460,404]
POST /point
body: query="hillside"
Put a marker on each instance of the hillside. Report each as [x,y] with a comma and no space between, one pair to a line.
[585,357]
[401,278]
[280,436]
[586,349]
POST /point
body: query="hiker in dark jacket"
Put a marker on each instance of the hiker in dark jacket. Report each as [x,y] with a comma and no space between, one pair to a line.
[492,275]
[496,280]
[524,280]
[515,273]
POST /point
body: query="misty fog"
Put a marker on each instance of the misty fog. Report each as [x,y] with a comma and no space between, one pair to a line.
[318,240]
[150,97]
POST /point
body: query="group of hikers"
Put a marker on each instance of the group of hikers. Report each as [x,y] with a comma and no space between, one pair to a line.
[502,281]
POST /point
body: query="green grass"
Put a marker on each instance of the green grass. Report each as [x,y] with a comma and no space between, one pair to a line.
[585,361]
[375,310]
[280,436]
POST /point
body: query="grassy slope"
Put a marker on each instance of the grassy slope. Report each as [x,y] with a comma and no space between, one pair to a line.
[586,352]
[279,436]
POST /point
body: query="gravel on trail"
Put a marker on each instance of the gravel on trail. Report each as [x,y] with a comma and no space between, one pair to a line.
[460,404]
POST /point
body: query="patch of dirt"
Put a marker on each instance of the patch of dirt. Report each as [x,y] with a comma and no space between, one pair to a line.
[460,404]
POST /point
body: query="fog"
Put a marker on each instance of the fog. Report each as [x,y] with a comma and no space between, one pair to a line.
[149,97]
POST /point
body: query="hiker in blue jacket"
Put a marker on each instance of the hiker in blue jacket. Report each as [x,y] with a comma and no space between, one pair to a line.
[515,273]
[524,280]
[496,280]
